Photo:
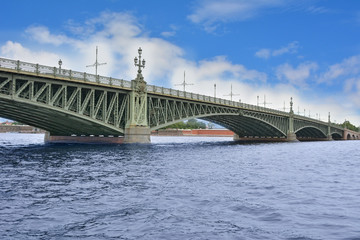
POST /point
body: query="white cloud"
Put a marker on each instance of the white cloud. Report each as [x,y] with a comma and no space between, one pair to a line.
[170,33]
[16,51]
[296,76]
[263,53]
[211,11]
[317,10]
[42,34]
[219,67]
[267,53]
[290,48]
[118,36]
[348,67]
[352,90]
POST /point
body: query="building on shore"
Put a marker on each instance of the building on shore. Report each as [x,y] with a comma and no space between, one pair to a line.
[193,132]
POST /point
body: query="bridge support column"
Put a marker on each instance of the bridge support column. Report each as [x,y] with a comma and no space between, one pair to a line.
[47,137]
[329,137]
[236,137]
[137,129]
[291,136]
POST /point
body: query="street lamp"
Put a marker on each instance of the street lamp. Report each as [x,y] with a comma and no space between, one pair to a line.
[141,64]
[60,63]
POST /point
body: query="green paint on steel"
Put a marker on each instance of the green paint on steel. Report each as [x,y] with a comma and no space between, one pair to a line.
[67,102]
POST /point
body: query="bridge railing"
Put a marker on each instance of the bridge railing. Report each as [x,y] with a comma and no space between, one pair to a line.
[59,72]
[195,96]
[318,121]
[87,77]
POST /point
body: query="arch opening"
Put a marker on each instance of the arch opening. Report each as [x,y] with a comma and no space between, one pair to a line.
[348,137]
[336,136]
[56,121]
[246,126]
[310,133]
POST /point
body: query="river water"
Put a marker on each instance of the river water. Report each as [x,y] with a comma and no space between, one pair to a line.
[179,188]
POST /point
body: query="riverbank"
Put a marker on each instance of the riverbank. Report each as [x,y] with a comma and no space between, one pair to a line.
[20,129]
[193,132]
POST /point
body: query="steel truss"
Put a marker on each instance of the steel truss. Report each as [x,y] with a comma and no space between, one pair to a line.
[68,106]
[63,108]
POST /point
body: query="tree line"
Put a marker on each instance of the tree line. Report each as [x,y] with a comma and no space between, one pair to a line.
[190,124]
[346,124]
[195,124]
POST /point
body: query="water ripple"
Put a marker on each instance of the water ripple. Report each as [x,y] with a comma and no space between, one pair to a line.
[178,188]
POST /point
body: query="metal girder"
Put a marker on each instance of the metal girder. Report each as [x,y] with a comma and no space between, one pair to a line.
[163,111]
[63,108]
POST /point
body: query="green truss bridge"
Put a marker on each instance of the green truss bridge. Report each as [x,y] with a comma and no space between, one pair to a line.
[70,104]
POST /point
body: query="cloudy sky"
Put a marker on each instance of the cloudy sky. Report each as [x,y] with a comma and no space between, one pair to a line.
[308,50]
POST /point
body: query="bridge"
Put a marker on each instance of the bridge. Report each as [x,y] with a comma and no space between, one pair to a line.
[77,105]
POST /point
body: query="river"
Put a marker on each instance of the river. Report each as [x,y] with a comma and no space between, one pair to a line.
[179,188]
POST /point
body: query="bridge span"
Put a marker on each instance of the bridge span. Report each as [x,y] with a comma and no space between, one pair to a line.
[74,105]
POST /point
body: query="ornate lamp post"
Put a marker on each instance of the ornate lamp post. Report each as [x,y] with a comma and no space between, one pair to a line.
[141,64]
[139,84]
[214,90]
[60,63]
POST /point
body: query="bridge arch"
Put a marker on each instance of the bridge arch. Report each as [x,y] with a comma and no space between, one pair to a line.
[202,116]
[55,120]
[63,107]
[348,136]
[310,132]
[246,126]
[336,136]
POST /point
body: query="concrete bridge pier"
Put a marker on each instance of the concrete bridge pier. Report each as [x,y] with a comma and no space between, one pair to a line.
[137,134]
[291,137]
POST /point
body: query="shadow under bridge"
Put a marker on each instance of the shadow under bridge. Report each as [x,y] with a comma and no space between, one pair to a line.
[245,126]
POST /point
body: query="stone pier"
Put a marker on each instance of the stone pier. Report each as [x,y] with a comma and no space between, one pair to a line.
[48,138]
[137,135]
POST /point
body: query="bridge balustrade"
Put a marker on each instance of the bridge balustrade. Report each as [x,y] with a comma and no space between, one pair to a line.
[64,73]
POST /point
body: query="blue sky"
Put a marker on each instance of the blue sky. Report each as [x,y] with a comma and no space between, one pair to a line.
[308,50]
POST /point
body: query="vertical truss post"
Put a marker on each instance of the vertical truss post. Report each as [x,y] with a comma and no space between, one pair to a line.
[137,129]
